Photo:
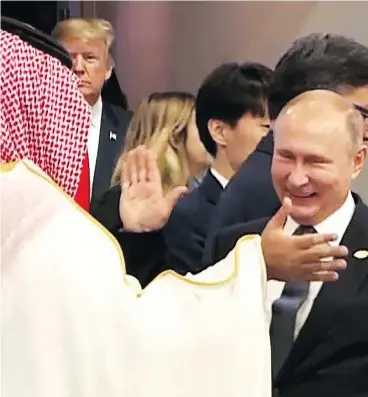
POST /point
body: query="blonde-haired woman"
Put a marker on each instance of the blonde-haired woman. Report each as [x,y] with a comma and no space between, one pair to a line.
[165,122]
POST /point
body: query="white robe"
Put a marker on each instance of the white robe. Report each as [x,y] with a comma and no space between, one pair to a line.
[75,325]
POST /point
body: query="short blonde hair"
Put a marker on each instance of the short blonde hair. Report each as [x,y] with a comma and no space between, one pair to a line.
[161,123]
[86,29]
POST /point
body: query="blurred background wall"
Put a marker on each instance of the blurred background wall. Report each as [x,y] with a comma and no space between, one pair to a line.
[163,45]
[173,44]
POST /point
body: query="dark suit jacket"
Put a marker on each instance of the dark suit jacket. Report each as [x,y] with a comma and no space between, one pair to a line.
[114,124]
[330,356]
[144,253]
[249,195]
[187,228]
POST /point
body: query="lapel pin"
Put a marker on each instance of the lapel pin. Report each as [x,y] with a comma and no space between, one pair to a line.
[361,254]
[112,136]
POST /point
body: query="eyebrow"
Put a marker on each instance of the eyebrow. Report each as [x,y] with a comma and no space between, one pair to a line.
[363,110]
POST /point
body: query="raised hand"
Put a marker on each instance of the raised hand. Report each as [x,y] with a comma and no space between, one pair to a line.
[143,205]
[295,258]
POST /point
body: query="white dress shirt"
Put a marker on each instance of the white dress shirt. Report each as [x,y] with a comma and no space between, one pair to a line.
[336,223]
[221,179]
[94,138]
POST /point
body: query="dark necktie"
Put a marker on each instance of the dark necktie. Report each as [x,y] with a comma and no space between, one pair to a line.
[284,312]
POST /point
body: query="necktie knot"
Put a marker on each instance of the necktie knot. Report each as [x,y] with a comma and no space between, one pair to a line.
[304,229]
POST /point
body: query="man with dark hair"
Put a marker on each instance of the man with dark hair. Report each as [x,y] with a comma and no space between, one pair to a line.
[232,117]
[316,61]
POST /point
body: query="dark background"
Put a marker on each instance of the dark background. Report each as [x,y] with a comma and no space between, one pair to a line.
[43,15]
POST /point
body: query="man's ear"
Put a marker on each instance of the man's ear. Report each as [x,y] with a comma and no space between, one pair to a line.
[359,160]
[108,72]
[110,66]
[217,129]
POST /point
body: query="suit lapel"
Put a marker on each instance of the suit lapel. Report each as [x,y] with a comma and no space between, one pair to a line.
[322,313]
[210,188]
[107,149]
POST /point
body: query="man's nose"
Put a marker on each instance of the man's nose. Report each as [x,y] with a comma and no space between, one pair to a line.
[78,64]
[298,176]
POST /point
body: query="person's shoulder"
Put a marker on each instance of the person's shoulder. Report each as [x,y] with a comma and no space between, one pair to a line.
[227,237]
[360,216]
[252,227]
[117,112]
[266,145]
[256,169]
[187,206]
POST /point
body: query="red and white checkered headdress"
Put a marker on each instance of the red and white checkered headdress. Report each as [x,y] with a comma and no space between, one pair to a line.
[44,117]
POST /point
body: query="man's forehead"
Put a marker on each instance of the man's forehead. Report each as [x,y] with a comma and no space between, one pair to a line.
[80,44]
[320,106]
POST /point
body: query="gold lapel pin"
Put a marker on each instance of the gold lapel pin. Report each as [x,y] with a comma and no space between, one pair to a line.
[361,254]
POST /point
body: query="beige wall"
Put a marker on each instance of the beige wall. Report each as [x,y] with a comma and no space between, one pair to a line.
[173,45]
[162,45]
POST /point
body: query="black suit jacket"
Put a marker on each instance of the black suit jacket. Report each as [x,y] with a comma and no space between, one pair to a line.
[249,195]
[186,231]
[114,124]
[144,253]
[330,356]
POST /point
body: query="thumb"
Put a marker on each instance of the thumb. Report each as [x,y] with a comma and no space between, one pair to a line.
[175,194]
[279,219]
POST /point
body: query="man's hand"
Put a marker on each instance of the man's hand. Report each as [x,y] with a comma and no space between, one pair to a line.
[143,205]
[299,258]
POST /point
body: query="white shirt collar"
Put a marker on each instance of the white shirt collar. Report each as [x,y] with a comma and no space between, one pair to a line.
[97,112]
[336,223]
[222,180]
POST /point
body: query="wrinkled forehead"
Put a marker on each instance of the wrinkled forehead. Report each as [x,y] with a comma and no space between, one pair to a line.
[316,118]
[317,133]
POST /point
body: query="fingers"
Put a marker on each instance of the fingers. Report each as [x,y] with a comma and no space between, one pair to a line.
[142,164]
[321,271]
[138,167]
[279,219]
[324,276]
[330,266]
[309,240]
[153,172]
[124,177]
[322,251]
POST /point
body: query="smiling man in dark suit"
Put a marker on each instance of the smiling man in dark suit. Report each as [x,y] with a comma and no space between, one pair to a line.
[319,332]
[232,117]
[324,61]
[89,42]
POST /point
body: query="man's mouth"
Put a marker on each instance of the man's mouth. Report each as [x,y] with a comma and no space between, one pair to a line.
[302,196]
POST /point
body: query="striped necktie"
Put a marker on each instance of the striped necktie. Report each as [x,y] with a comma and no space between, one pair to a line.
[284,312]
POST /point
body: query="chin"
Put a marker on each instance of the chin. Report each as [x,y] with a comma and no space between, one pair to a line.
[85,91]
[304,216]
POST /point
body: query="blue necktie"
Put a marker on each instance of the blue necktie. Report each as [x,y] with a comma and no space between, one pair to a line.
[284,312]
